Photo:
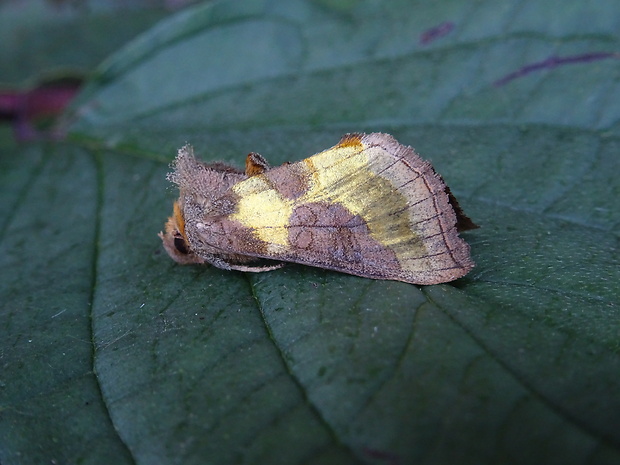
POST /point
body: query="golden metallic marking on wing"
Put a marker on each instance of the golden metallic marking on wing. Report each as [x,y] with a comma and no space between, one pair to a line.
[262,208]
[343,175]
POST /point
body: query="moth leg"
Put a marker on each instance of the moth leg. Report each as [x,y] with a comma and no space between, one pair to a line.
[256,269]
[226,264]
[255,164]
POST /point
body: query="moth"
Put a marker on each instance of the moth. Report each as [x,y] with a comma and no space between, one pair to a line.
[368,206]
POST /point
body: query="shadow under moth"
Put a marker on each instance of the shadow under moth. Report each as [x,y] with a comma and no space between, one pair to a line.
[368,206]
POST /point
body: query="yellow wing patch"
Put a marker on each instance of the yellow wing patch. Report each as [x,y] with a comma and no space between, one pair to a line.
[265,209]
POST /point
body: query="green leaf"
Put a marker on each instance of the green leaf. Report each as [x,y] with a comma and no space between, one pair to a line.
[38,38]
[111,352]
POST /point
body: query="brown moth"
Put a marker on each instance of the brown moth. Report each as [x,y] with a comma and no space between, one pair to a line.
[368,206]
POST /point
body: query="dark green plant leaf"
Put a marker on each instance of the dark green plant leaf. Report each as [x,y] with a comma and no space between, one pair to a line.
[38,37]
[516,363]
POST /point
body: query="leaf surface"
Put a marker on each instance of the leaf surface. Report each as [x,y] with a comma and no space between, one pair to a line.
[516,363]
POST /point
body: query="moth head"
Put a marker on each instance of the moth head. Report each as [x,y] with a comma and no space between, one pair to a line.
[175,240]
